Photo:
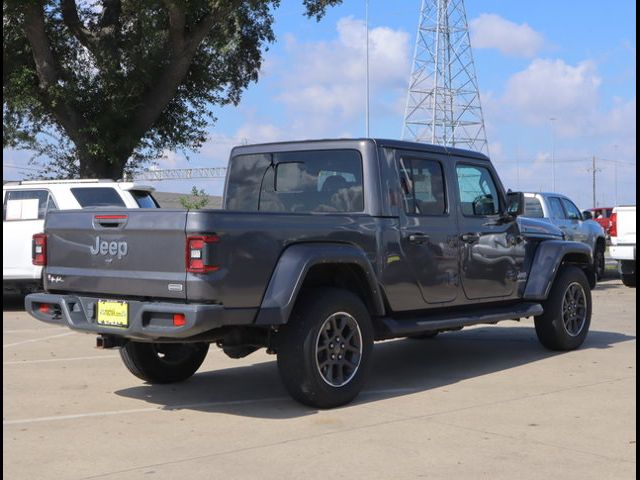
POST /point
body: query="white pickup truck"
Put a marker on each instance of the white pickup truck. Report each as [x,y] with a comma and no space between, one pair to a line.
[25,205]
[623,242]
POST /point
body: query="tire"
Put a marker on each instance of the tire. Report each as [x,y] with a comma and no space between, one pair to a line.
[567,311]
[599,263]
[312,336]
[629,279]
[163,362]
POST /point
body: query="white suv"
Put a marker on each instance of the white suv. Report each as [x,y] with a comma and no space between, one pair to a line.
[26,203]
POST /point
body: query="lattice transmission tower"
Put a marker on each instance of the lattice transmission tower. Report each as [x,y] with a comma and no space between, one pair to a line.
[443,102]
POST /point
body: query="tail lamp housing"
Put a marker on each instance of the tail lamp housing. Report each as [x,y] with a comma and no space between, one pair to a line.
[199,254]
[613,226]
[39,249]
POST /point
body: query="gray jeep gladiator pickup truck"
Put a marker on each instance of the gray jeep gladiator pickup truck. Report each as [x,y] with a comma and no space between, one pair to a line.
[321,248]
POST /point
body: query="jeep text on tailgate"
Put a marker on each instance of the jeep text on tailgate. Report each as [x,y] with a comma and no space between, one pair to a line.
[322,248]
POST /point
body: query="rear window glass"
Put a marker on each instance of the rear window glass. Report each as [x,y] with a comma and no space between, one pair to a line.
[27,205]
[303,182]
[533,208]
[144,199]
[97,197]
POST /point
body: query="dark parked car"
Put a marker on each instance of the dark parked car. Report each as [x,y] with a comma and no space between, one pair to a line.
[322,248]
[562,212]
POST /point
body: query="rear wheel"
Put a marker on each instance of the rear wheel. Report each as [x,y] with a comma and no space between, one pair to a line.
[324,350]
[163,362]
[629,279]
[567,311]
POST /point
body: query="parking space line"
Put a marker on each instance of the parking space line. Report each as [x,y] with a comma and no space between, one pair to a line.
[70,359]
[183,406]
[140,410]
[33,330]
[41,339]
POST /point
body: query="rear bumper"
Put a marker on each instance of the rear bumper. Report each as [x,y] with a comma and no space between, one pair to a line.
[147,320]
[623,252]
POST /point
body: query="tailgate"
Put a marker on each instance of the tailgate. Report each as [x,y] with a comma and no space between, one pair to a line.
[626,225]
[133,253]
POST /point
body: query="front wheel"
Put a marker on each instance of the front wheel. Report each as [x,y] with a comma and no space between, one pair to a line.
[599,263]
[324,350]
[163,362]
[629,279]
[567,311]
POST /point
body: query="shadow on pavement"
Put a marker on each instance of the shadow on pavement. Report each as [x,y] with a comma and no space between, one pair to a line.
[12,302]
[400,367]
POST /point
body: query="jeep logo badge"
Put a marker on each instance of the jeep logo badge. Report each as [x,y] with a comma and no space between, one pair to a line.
[103,247]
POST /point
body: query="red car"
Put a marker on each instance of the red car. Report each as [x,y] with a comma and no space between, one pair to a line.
[602,215]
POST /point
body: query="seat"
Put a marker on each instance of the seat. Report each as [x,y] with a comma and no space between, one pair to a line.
[334,183]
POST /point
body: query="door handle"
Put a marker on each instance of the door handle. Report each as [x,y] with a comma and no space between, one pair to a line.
[418,237]
[470,237]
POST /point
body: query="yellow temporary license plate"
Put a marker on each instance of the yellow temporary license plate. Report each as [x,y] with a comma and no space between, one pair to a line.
[113,313]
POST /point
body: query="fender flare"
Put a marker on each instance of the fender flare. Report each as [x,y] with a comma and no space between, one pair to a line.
[291,271]
[547,261]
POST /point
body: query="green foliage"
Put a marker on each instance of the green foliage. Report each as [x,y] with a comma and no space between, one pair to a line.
[196,201]
[101,88]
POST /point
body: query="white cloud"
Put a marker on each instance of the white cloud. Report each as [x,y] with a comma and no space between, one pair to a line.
[492,31]
[552,88]
[324,85]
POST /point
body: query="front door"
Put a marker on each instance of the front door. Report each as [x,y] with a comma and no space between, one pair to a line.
[428,229]
[492,250]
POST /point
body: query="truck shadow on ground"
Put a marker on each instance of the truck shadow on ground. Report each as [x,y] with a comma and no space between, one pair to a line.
[400,367]
[12,302]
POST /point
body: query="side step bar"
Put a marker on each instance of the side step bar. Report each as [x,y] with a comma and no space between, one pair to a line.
[411,326]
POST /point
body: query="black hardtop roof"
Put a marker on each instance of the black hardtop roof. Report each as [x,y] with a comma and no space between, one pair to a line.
[349,142]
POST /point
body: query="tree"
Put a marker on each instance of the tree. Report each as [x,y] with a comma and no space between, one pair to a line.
[101,88]
[196,201]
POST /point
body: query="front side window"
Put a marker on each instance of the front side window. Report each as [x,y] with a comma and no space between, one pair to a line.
[556,208]
[533,208]
[27,205]
[422,185]
[97,197]
[572,211]
[478,192]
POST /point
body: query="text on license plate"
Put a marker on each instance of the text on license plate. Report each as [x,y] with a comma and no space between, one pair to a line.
[113,313]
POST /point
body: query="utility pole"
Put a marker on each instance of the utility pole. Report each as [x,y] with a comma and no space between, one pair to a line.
[615,174]
[553,154]
[366,23]
[593,171]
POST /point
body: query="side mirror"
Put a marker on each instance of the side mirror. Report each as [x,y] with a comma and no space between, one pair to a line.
[515,203]
[587,215]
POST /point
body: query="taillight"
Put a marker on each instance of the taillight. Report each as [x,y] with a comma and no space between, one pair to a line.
[199,254]
[179,320]
[613,226]
[39,249]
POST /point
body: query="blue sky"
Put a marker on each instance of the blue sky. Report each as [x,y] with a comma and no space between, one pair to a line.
[573,61]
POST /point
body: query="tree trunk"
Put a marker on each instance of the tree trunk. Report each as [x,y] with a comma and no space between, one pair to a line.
[96,167]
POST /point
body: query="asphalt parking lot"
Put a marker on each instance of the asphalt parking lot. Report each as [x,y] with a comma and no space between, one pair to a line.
[487,402]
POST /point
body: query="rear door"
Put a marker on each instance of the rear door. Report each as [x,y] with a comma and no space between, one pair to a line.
[23,215]
[428,229]
[492,252]
[134,253]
